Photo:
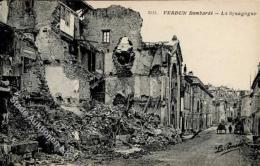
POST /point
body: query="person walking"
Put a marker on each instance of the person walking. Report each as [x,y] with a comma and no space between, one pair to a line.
[230,129]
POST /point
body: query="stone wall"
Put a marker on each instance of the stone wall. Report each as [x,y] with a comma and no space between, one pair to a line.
[59,83]
[119,20]
[63,75]
[30,80]
[21,14]
[50,46]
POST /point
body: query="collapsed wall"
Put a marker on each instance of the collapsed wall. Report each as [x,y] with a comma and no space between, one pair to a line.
[144,83]
[41,19]
[134,73]
[123,57]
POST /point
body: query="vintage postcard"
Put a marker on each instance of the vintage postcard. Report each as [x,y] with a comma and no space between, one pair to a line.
[157,83]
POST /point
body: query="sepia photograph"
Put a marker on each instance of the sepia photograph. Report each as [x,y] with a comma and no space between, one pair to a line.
[138,83]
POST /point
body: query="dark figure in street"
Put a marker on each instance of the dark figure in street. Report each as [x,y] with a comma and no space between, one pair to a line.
[230,129]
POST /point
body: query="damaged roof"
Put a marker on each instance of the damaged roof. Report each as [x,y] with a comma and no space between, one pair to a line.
[197,81]
[173,45]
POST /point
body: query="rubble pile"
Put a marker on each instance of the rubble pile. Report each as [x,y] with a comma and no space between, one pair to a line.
[137,128]
[110,130]
[99,131]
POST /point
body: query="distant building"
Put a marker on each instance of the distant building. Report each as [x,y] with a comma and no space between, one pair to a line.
[227,104]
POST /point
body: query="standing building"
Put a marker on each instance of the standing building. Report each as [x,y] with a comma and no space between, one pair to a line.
[186,103]
[201,104]
[245,115]
[255,105]
[227,104]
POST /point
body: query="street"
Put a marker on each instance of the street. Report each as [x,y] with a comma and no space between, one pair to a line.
[199,151]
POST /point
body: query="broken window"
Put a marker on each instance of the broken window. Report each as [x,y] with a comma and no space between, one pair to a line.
[106,36]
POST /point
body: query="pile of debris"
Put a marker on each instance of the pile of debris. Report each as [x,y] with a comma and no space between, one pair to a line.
[118,127]
[113,131]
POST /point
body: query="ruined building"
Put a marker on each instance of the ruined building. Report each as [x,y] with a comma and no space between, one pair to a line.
[98,54]
[143,75]
[106,27]
[57,27]
[18,56]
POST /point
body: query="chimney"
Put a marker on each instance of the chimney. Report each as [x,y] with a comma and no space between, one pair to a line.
[174,38]
[190,73]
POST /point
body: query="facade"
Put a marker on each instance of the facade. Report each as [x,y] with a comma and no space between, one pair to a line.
[255,104]
[201,105]
[246,113]
[186,103]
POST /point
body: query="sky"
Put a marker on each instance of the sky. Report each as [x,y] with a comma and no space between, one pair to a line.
[220,50]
